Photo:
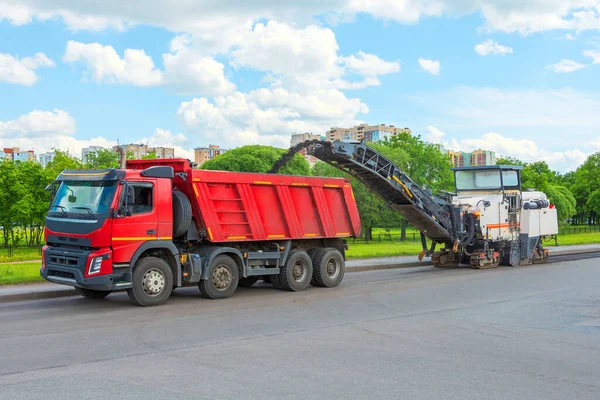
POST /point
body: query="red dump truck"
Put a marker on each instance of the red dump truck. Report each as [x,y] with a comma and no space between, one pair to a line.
[156,225]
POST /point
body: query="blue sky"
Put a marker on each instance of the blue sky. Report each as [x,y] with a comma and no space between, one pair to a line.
[521,80]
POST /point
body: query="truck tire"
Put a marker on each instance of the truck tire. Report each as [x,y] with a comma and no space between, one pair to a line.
[152,282]
[312,253]
[297,272]
[329,268]
[248,282]
[93,294]
[222,279]
[182,214]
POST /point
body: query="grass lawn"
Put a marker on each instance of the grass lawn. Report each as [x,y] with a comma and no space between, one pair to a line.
[576,238]
[371,250]
[20,273]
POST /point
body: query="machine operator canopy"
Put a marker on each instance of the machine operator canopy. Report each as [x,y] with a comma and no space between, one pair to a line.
[488,178]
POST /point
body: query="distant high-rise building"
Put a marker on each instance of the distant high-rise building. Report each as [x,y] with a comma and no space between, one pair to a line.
[45,158]
[369,133]
[203,154]
[87,150]
[298,138]
[141,150]
[476,158]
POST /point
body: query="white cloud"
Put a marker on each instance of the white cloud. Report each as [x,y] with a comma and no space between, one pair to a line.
[42,130]
[22,71]
[570,36]
[594,54]
[39,124]
[431,66]
[561,123]
[283,49]
[267,116]
[523,149]
[434,135]
[164,138]
[185,71]
[190,73]
[104,65]
[490,47]
[218,22]
[370,65]
[405,11]
[526,150]
[565,66]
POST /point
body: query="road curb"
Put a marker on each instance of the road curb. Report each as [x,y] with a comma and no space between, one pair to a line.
[46,294]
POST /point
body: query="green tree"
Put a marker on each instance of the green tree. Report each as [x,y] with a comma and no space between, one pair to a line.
[150,156]
[101,159]
[425,164]
[62,161]
[586,186]
[9,197]
[32,200]
[257,158]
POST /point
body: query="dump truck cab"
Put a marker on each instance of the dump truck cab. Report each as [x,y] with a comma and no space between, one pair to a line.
[100,221]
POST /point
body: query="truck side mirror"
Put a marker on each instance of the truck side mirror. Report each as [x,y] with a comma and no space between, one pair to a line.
[130,195]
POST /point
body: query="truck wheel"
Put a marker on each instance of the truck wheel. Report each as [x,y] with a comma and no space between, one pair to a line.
[297,272]
[248,282]
[312,253]
[182,214]
[329,268]
[152,282]
[93,294]
[222,278]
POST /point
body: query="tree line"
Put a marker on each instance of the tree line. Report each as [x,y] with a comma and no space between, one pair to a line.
[24,199]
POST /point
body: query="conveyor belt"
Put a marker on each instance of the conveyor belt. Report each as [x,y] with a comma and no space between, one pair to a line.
[427,213]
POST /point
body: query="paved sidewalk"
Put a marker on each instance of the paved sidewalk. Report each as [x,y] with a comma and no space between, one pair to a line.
[35,291]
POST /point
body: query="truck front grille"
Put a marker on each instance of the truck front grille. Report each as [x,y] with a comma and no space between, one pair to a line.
[64,261]
[61,274]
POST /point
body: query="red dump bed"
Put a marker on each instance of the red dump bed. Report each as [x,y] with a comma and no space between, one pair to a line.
[238,206]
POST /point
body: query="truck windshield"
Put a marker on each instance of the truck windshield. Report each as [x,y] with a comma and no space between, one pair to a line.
[84,197]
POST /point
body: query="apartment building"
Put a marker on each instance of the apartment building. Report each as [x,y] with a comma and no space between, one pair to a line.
[15,154]
[46,158]
[203,154]
[141,150]
[476,158]
[365,132]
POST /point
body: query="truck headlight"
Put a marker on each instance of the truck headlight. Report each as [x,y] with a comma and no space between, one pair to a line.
[95,265]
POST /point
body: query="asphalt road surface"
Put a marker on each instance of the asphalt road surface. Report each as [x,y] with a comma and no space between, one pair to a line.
[508,333]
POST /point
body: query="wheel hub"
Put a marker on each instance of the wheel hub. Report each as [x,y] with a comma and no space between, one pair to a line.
[222,277]
[153,282]
[333,268]
[299,272]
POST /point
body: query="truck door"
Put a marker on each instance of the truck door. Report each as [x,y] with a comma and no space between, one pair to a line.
[131,231]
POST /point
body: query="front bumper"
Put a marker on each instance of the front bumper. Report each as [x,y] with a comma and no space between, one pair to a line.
[67,267]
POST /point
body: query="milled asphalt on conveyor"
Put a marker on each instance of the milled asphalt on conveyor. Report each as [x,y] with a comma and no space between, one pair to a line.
[506,333]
